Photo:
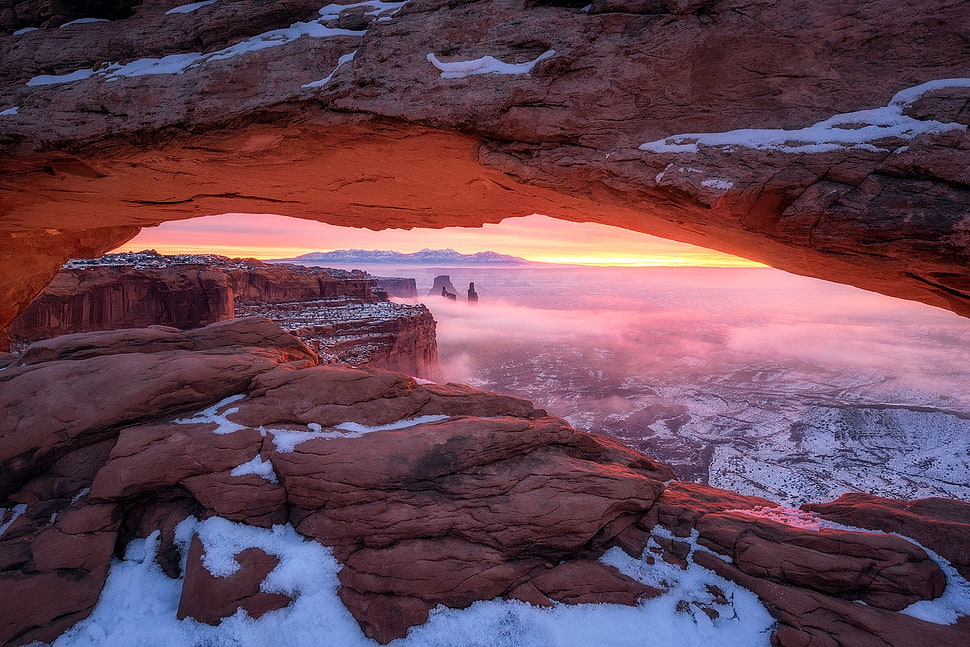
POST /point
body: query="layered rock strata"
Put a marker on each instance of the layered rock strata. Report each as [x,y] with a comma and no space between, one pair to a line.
[381,334]
[825,139]
[343,316]
[398,287]
[109,297]
[414,487]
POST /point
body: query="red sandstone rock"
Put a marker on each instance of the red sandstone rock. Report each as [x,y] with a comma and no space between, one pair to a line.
[258,282]
[113,297]
[807,577]
[942,525]
[589,582]
[248,334]
[61,580]
[811,618]
[248,498]
[344,320]
[209,598]
[682,504]
[881,570]
[50,408]
[150,458]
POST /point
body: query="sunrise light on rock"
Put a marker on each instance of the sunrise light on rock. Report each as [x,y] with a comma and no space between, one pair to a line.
[519,323]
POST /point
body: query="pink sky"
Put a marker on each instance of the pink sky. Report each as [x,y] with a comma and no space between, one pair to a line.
[536,238]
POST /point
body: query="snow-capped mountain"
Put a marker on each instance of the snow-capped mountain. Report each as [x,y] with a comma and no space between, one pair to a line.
[423,257]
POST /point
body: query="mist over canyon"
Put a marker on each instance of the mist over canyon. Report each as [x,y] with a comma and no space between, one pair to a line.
[290,477]
[748,379]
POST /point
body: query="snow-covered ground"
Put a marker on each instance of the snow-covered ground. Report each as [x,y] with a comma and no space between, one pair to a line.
[139,603]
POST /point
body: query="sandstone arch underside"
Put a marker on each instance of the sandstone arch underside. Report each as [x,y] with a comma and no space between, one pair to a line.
[392,115]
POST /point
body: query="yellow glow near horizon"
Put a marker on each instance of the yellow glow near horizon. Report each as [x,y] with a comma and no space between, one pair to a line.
[534,238]
[656,261]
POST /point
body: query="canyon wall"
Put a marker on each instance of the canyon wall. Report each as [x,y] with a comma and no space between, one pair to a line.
[381,334]
[399,287]
[257,282]
[113,297]
[824,139]
[344,318]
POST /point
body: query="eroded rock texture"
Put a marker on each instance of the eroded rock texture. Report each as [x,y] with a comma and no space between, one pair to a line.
[361,121]
[435,494]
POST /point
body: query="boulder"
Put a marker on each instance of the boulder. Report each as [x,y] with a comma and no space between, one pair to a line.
[61,565]
[209,598]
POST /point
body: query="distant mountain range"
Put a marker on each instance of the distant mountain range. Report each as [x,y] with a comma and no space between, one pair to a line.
[424,257]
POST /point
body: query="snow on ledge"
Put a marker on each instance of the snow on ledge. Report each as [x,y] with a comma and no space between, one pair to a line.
[25,30]
[9,112]
[83,21]
[377,7]
[49,79]
[358,430]
[179,63]
[346,58]
[717,183]
[257,466]
[949,607]
[9,515]
[286,440]
[846,130]
[189,8]
[216,414]
[485,65]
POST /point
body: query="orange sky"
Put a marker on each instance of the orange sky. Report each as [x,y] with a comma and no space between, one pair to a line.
[536,238]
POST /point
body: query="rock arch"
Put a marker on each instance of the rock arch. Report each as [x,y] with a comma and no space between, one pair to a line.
[343,117]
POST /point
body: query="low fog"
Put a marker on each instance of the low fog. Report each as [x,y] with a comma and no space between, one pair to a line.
[754,379]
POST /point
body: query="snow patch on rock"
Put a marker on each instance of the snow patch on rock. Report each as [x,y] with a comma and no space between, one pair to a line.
[485,65]
[333,11]
[286,440]
[217,415]
[257,466]
[189,8]
[179,63]
[356,430]
[139,603]
[847,130]
[346,58]
[949,607]
[51,79]
[9,515]
[83,21]
[717,183]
